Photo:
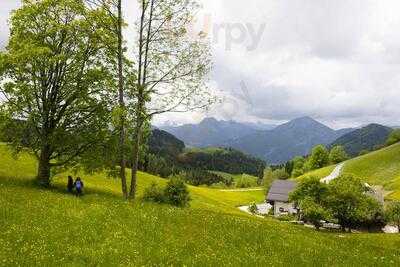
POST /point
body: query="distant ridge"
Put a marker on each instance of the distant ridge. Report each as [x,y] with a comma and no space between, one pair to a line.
[275,144]
[365,138]
[213,132]
[294,138]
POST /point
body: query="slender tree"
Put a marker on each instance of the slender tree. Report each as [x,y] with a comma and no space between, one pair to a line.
[171,67]
[121,101]
[55,76]
[114,10]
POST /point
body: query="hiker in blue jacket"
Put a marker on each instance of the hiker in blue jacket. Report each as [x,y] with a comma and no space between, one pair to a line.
[78,186]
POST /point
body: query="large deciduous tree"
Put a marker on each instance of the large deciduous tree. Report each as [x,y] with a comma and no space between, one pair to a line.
[171,67]
[55,77]
[350,204]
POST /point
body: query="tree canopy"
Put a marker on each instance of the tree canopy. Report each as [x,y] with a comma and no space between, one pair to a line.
[337,155]
[55,76]
[346,200]
[319,157]
[349,202]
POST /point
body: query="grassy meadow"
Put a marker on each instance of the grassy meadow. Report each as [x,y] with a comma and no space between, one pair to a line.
[380,167]
[50,227]
[319,173]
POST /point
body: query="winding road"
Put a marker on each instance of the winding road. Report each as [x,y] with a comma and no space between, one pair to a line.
[335,174]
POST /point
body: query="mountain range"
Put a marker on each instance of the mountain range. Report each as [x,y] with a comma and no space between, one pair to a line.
[278,144]
[294,138]
[212,132]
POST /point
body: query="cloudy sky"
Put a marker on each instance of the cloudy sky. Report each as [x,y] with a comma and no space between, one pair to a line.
[337,61]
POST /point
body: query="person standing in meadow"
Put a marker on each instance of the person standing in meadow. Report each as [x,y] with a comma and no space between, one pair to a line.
[70,184]
[78,186]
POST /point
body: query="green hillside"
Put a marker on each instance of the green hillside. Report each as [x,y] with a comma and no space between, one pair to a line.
[381,167]
[319,173]
[50,227]
[366,138]
[221,159]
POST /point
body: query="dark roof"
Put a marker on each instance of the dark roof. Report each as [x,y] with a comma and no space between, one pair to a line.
[280,190]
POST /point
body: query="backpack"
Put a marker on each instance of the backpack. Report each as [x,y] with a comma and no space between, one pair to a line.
[78,185]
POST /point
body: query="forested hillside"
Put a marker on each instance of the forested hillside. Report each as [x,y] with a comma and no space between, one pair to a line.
[367,138]
[222,159]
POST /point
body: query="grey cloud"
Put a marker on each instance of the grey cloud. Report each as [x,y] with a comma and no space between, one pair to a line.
[6,7]
[334,60]
[337,61]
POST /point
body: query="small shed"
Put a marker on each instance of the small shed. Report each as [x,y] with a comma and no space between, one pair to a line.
[278,197]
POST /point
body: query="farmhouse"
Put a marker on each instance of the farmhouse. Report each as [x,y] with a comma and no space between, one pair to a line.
[278,197]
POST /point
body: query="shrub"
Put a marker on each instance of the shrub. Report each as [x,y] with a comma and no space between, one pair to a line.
[371,213]
[393,214]
[253,208]
[154,193]
[176,193]
[287,218]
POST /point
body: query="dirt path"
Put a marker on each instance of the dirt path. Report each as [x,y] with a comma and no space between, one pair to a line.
[335,174]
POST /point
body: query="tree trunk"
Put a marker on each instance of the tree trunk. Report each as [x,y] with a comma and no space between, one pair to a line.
[121,102]
[43,175]
[135,159]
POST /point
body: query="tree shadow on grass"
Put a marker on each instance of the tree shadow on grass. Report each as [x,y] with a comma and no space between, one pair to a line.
[27,182]
[61,189]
